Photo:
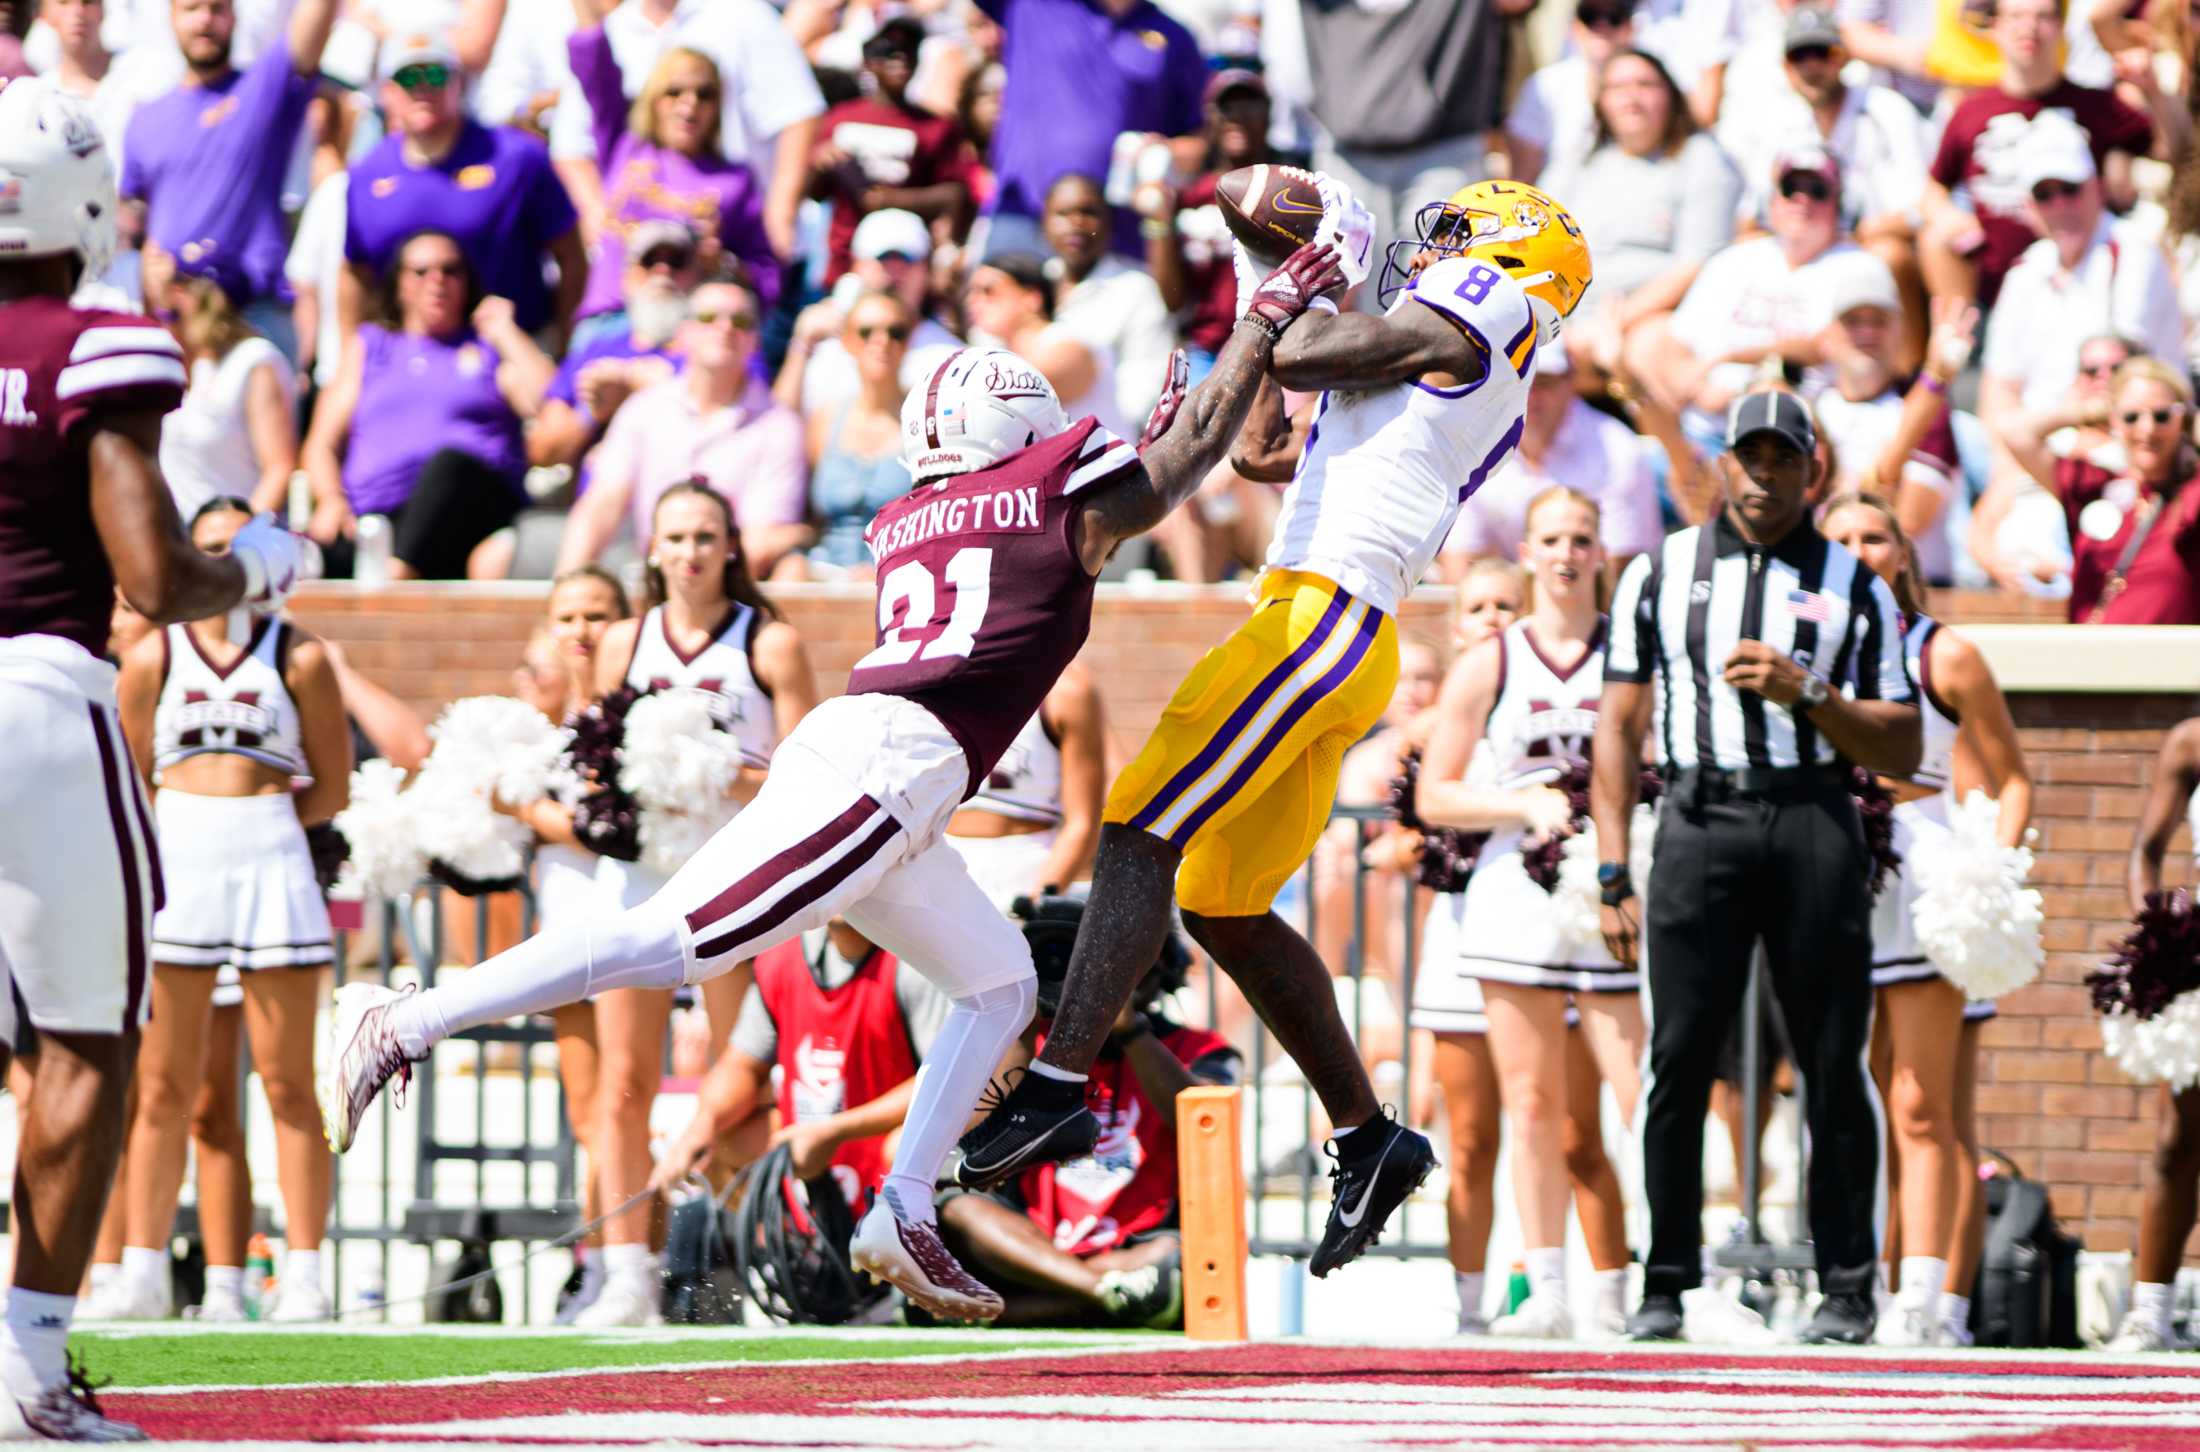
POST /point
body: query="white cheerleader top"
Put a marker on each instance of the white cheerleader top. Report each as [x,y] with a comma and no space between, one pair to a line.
[244,710]
[1025,785]
[1936,767]
[1545,717]
[719,673]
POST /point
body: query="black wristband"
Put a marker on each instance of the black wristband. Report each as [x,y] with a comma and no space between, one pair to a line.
[1614,884]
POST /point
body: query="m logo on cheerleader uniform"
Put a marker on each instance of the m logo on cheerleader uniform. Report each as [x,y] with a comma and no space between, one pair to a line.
[1557,734]
[218,722]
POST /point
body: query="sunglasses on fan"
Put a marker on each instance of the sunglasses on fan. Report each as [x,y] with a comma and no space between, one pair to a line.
[426,76]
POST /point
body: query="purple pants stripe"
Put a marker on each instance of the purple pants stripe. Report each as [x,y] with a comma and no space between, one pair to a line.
[1319,691]
[754,931]
[140,922]
[1197,767]
[782,865]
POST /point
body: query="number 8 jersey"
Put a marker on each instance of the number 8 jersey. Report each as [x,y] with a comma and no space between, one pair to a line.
[983,600]
[1385,469]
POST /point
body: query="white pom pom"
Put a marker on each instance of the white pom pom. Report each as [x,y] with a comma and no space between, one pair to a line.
[1577,900]
[1975,919]
[455,824]
[2164,1049]
[503,745]
[385,859]
[669,839]
[674,759]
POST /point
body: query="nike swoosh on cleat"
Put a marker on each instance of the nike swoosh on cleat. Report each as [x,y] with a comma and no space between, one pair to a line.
[1350,1219]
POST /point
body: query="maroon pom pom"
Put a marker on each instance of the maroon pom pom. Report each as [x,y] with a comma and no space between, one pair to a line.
[1541,859]
[1447,854]
[607,819]
[2155,962]
[1876,808]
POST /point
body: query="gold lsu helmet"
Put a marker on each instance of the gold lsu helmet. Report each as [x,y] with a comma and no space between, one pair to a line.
[1523,232]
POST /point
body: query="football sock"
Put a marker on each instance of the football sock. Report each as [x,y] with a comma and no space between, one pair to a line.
[1917,1280]
[564,963]
[34,1341]
[143,1265]
[979,1028]
[1046,1070]
[1546,1270]
[1470,1293]
[2149,1300]
[303,1267]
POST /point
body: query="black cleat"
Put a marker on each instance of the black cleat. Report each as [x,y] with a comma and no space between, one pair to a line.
[1843,1319]
[1041,1121]
[1658,1318]
[1367,1186]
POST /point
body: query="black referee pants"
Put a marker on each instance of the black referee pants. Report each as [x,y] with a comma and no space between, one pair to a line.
[1795,873]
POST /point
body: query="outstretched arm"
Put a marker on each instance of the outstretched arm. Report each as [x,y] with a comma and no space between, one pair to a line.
[2176,775]
[1358,350]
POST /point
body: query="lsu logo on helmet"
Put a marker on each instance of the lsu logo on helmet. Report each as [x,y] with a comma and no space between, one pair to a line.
[1522,231]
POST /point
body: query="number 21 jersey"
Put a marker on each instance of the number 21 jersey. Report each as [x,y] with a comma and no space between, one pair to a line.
[982,599]
[1385,469]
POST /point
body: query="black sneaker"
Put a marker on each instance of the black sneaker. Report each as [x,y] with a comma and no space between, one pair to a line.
[1843,1319]
[1040,1121]
[1658,1318]
[1367,1185]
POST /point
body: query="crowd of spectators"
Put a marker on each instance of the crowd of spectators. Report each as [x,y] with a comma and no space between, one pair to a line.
[822,198]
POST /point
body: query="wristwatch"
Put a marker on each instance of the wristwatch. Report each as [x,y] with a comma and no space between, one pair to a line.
[1614,883]
[1814,694]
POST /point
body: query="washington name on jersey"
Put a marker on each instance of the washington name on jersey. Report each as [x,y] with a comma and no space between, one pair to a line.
[983,599]
[1385,469]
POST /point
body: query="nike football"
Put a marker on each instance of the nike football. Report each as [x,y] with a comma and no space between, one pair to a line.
[1273,210]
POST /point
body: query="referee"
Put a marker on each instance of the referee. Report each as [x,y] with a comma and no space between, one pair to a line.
[1778,662]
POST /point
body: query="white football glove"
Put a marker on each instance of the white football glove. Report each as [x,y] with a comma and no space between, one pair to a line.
[273,558]
[1250,275]
[1347,226]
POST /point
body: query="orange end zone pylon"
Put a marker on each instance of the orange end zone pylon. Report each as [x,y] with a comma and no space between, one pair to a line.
[1211,1207]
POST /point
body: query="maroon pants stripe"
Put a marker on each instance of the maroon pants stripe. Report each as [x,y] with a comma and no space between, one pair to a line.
[808,893]
[133,878]
[782,865]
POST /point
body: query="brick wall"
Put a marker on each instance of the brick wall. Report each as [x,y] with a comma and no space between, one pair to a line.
[2046,1097]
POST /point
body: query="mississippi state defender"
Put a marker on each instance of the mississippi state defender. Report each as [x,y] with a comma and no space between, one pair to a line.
[1034,823]
[1230,794]
[83,508]
[985,576]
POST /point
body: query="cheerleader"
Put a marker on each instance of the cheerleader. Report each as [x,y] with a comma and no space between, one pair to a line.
[1034,824]
[1970,743]
[584,605]
[238,724]
[1529,698]
[709,631]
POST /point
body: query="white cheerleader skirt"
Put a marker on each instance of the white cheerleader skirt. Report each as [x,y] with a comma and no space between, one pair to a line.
[241,892]
[1920,827]
[228,987]
[1005,868]
[1511,932]
[1447,997]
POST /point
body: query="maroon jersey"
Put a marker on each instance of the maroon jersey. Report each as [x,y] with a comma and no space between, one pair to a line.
[982,599]
[1127,1185]
[60,368]
[838,1049]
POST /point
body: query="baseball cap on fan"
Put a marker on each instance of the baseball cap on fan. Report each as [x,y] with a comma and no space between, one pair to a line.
[1771,411]
[892,233]
[1806,154]
[417,48]
[1860,280]
[1235,78]
[1810,25]
[2055,148]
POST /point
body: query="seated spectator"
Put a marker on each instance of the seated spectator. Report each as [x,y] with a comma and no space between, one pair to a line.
[1553,123]
[236,434]
[892,252]
[662,163]
[2087,270]
[2135,536]
[883,151]
[1760,300]
[604,370]
[714,424]
[1095,1240]
[1111,304]
[1869,419]
[423,421]
[1654,196]
[855,447]
[1967,250]
[1563,441]
[491,190]
[1187,243]
[1010,302]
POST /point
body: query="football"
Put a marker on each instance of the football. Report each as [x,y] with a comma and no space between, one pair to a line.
[1273,210]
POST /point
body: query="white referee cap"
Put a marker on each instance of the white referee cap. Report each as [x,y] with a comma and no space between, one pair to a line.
[1771,411]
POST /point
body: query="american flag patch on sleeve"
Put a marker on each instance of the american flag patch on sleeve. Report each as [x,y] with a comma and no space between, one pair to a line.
[1809,605]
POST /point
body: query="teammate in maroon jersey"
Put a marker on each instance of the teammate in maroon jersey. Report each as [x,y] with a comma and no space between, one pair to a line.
[985,576]
[83,508]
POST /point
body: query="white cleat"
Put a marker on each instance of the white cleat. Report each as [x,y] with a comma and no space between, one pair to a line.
[1542,1317]
[2139,1333]
[911,1257]
[1711,1318]
[1906,1326]
[299,1301]
[124,1299]
[1949,1333]
[68,1412]
[626,1301]
[363,1055]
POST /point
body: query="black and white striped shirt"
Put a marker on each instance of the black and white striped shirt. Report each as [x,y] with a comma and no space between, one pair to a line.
[1681,609]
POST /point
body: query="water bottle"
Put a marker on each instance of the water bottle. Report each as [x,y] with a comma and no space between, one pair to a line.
[259,1277]
[371,561]
[1517,1289]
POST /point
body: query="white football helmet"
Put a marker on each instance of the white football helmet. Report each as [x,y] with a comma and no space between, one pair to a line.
[57,181]
[976,409]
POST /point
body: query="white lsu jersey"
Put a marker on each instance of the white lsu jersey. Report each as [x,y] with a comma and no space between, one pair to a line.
[1545,715]
[245,710]
[1025,785]
[1936,768]
[719,673]
[1384,470]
